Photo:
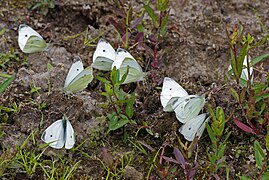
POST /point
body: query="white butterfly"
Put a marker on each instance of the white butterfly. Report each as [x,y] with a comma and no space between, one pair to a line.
[188,107]
[194,127]
[59,134]
[124,60]
[77,78]
[105,58]
[244,75]
[30,41]
[171,91]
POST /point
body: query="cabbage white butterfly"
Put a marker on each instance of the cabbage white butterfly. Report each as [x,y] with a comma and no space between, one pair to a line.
[244,75]
[175,98]
[30,41]
[59,134]
[105,58]
[188,107]
[77,78]
[123,60]
[171,91]
[194,127]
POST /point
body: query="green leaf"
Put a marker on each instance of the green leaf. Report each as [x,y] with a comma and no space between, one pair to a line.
[140,28]
[130,106]
[115,75]
[211,112]
[108,89]
[244,178]
[164,24]
[2,31]
[116,123]
[265,176]
[211,158]
[234,94]
[258,59]
[221,150]
[240,59]
[259,155]
[103,80]
[124,76]
[162,5]
[264,39]
[152,15]
[233,63]
[219,123]
[6,83]
[49,66]
[212,136]
[267,139]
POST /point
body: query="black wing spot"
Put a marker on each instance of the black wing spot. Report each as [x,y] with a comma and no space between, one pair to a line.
[71,136]
[125,51]
[51,135]
[104,50]
[26,35]
[77,69]
[189,128]
[170,89]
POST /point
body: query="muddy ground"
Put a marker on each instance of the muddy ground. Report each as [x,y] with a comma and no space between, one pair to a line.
[194,52]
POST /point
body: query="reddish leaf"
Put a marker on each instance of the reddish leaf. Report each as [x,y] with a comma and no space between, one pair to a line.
[243,126]
[193,171]
[137,21]
[169,159]
[139,37]
[124,37]
[147,146]
[119,26]
[180,158]
[152,38]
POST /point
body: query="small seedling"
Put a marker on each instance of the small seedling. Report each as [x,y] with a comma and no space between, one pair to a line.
[43,6]
[122,103]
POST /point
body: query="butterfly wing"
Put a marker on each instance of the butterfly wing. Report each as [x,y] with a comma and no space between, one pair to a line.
[171,89]
[54,134]
[123,60]
[103,56]
[244,75]
[35,44]
[194,127]
[75,69]
[81,81]
[69,136]
[188,107]
[30,41]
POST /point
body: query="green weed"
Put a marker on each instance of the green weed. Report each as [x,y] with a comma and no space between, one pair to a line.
[6,83]
[216,154]
[8,59]
[251,96]
[43,6]
[121,103]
